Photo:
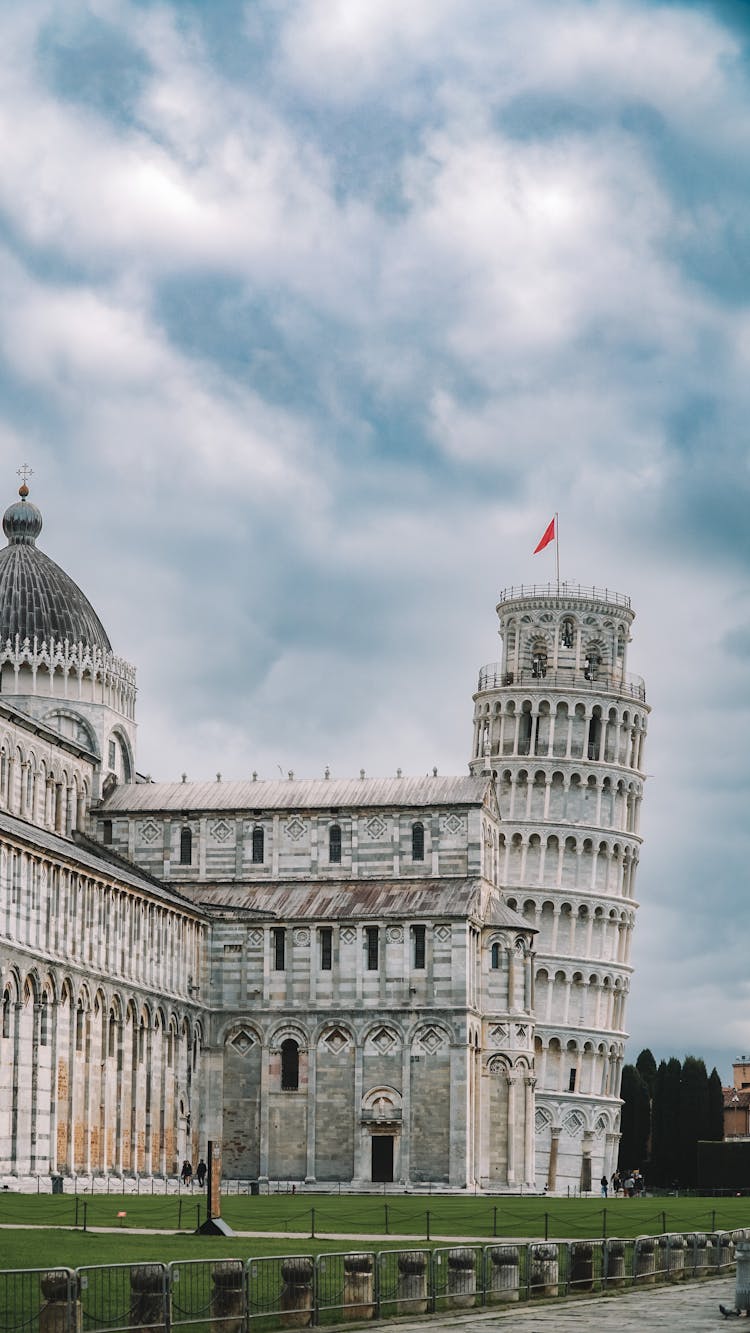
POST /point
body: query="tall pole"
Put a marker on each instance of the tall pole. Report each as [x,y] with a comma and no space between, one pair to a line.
[557,549]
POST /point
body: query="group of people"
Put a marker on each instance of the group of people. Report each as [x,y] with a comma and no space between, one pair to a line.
[201,1171]
[628,1187]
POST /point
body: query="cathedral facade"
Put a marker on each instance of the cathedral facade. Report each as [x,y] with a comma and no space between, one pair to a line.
[359,981]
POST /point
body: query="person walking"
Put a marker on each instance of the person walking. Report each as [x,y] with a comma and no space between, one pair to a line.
[605,1186]
[201,1172]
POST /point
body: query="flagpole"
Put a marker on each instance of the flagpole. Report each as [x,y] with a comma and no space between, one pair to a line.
[557,549]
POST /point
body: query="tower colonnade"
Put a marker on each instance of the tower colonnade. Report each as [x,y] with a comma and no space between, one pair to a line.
[561,724]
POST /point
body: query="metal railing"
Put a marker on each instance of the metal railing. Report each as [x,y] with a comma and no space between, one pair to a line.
[493,677]
[303,1290]
[563,592]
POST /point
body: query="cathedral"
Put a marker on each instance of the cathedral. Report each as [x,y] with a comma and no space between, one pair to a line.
[342,981]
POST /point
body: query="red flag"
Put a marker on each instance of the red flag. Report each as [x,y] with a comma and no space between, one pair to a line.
[549,536]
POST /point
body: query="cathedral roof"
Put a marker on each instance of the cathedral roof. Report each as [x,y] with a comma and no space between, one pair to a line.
[356,898]
[80,855]
[38,600]
[300,794]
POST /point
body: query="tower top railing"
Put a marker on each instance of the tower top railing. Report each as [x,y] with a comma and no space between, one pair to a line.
[563,592]
[602,681]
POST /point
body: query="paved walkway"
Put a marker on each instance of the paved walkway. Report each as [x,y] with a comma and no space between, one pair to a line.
[691,1307]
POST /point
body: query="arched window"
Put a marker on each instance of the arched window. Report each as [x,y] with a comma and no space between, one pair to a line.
[334,844]
[495,957]
[44,1021]
[186,847]
[258,846]
[6,1014]
[539,663]
[417,842]
[112,1034]
[289,1065]
[567,633]
[106,831]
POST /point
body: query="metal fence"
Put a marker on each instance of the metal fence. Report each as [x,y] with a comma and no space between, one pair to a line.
[302,1290]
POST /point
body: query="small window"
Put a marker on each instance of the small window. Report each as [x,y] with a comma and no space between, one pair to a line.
[79,1028]
[258,846]
[567,633]
[44,1022]
[572,1081]
[6,1014]
[417,842]
[325,938]
[112,1036]
[418,937]
[372,941]
[495,957]
[278,935]
[334,844]
[186,847]
[112,755]
[289,1065]
[107,832]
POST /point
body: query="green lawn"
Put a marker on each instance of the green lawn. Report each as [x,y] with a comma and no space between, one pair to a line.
[448,1215]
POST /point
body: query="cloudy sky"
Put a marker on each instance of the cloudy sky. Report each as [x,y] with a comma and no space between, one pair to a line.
[314,311]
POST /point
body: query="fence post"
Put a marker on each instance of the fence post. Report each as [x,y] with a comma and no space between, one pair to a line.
[387,1232]
[427,1216]
[85,1207]
[494,1220]
[546,1226]
[312,1224]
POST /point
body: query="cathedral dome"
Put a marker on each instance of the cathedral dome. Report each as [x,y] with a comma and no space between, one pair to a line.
[37,598]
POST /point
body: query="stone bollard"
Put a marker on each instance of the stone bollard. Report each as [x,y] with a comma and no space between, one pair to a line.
[697,1252]
[742,1287]
[228,1296]
[543,1270]
[61,1312]
[504,1274]
[147,1298]
[581,1265]
[643,1261]
[714,1250]
[614,1263]
[726,1250]
[358,1286]
[412,1282]
[676,1255]
[296,1293]
[462,1279]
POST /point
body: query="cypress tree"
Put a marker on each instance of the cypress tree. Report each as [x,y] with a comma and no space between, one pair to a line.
[693,1117]
[715,1121]
[646,1066]
[635,1119]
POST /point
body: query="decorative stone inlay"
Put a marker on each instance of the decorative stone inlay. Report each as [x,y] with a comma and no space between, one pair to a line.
[383,1039]
[294,829]
[376,827]
[522,1032]
[542,1119]
[243,1042]
[498,1034]
[573,1124]
[395,934]
[442,934]
[451,823]
[232,948]
[220,830]
[601,1126]
[149,831]
[255,938]
[302,935]
[430,1039]
[348,935]
[336,1040]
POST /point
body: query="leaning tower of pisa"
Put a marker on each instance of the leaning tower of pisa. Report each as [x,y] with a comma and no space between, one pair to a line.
[561,723]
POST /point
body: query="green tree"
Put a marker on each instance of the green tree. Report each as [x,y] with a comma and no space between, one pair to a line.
[693,1117]
[635,1119]
[646,1066]
[665,1119]
[715,1121]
